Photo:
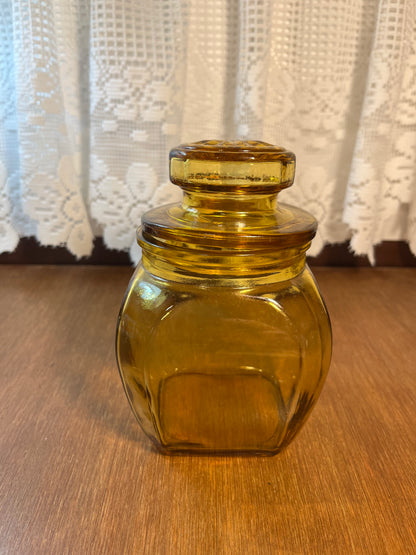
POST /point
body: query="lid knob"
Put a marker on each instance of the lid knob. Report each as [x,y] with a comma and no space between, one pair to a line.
[232,166]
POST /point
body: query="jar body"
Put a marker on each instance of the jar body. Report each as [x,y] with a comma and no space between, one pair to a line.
[217,366]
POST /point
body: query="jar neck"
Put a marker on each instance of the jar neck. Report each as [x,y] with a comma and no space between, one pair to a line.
[225,269]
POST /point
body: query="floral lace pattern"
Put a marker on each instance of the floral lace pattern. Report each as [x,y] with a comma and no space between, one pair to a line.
[94,94]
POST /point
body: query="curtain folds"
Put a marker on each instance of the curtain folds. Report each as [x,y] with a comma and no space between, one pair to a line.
[93,94]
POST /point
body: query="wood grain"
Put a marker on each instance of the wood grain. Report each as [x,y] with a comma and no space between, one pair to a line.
[78,476]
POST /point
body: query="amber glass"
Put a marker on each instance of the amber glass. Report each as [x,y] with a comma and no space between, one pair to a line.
[223,340]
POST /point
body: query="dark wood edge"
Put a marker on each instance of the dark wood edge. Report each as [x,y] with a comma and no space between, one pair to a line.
[29,251]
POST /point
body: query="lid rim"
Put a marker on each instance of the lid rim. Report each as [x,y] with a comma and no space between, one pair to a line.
[232,151]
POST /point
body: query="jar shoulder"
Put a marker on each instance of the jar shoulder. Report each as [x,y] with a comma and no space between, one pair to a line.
[150,299]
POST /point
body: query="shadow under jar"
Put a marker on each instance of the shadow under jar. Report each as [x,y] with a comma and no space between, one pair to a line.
[223,340]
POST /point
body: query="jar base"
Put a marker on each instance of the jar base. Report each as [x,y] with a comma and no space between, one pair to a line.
[178,451]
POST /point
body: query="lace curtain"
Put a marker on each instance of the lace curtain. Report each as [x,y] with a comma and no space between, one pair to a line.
[94,93]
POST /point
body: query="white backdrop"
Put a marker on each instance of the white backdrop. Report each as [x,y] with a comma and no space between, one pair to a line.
[93,94]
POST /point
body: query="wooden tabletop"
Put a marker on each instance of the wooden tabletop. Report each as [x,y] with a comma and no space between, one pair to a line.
[78,475]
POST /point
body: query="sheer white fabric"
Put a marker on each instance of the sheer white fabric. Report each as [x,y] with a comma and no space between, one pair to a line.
[93,94]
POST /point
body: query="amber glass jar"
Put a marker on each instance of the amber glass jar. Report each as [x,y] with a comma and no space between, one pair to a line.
[223,340]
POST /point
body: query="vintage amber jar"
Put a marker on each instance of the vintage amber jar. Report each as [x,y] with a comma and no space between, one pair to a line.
[223,340]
